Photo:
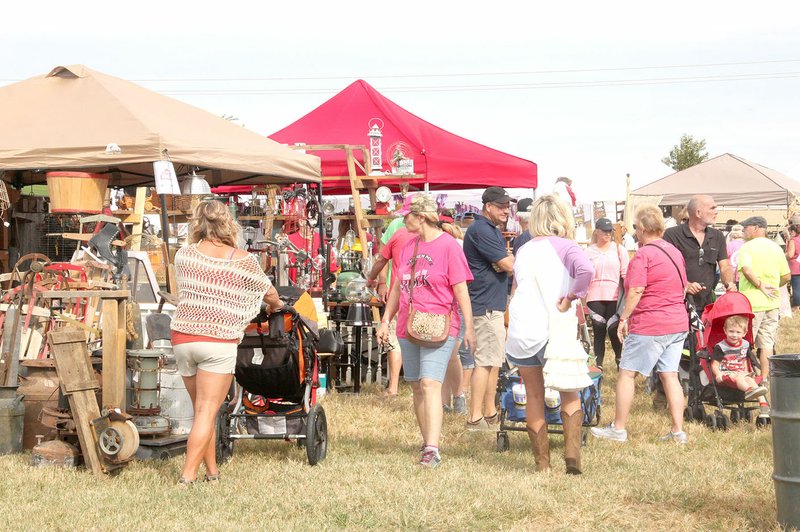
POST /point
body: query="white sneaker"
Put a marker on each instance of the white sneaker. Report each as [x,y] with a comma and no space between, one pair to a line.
[610,433]
[679,437]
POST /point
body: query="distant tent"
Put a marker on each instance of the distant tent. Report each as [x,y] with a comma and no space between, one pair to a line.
[731,180]
[446,160]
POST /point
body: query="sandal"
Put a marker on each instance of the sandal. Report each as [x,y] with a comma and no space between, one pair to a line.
[183,483]
[212,478]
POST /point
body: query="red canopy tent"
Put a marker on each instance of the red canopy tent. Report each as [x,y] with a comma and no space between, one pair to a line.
[446,160]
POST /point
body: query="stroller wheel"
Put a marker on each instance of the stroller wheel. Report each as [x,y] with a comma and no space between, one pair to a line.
[687,414]
[224,443]
[502,442]
[747,415]
[316,435]
[763,422]
[711,422]
[723,422]
[698,412]
[736,416]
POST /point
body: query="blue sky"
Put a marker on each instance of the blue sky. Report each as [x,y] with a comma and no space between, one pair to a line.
[586,90]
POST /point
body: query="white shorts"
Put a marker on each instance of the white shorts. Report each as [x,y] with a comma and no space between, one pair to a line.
[215,357]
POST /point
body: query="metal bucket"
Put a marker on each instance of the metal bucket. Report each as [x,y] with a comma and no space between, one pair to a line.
[785,413]
[176,405]
[12,419]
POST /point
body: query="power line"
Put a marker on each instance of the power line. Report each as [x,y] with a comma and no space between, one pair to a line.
[502,86]
[476,74]
[462,74]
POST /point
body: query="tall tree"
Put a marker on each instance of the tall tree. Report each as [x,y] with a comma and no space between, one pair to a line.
[686,154]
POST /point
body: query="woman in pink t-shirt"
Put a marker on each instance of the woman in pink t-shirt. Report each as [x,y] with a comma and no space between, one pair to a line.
[440,276]
[610,261]
[734,242]
[653,324]
[792,255]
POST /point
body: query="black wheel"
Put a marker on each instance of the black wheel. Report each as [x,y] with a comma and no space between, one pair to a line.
[736,416]
[723,422]
[503,445]
[711,422]
[747,415]
[698,412]
[687,414]
[763,422]
[224,443]
[316,435]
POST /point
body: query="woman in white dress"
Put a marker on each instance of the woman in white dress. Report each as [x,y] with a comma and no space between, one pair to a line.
[550,273]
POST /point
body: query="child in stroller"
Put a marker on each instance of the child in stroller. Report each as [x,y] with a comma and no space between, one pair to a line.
[731,360]
[708,382]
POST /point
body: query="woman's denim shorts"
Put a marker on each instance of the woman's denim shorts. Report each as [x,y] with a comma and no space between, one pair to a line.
[643,354]
[425,362]
[535,361]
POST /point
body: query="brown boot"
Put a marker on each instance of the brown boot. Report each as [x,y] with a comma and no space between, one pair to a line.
[572,441]
[541,447]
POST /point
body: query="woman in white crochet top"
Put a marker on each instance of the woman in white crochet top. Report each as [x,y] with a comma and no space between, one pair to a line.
[220,289]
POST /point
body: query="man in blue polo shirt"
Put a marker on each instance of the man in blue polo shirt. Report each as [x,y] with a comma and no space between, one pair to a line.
[488,258]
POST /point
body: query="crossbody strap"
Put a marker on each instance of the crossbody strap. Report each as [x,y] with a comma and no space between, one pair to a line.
[673,263]
[413,268]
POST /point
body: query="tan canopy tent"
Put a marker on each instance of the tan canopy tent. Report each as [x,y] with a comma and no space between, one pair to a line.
[68,118]
[731,180]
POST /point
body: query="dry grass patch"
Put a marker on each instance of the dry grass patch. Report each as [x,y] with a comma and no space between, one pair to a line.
[370,480]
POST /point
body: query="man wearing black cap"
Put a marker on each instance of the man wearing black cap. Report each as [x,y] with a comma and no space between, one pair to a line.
[702,247]
[764,270]
[490,263]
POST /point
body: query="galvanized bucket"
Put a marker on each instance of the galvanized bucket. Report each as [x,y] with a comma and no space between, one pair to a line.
[12,420]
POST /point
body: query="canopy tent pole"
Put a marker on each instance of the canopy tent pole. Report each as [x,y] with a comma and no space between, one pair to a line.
[165,227]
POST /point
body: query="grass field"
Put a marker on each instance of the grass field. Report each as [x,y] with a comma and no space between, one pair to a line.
[370,480]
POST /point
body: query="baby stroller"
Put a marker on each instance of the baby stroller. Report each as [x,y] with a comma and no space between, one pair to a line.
[703,388]
[512,406]
[275,393]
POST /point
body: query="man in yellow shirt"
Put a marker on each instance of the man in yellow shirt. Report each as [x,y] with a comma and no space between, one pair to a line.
[764,270]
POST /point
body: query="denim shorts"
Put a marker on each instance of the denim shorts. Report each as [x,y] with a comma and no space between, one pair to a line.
[425,362]
[643,354]
[535,361]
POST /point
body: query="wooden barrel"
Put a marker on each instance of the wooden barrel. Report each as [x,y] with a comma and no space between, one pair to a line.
[76,192]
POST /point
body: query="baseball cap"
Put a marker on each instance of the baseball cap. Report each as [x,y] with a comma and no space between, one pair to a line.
[524,205]
[495,195]
[604,224]
[406,208]
[758,221]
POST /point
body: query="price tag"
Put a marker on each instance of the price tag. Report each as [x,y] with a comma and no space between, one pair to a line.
[166,179]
